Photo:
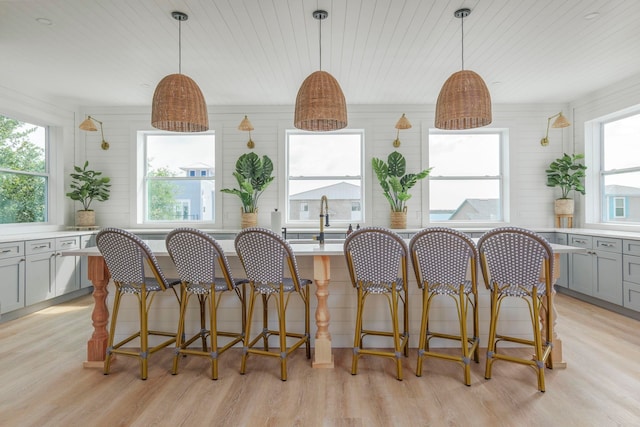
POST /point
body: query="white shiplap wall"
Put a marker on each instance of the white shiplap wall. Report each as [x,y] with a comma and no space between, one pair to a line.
[531,201]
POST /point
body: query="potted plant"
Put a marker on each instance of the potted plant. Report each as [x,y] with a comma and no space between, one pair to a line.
[86,186]
[396,183]
[567,173]
[253,175]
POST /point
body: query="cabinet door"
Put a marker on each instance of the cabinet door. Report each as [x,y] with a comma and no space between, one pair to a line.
[66,279]
[631,296]
[40,277]
[563,279]
[12,284]
[581,273]
[66,266]
[87,241]
[608,275]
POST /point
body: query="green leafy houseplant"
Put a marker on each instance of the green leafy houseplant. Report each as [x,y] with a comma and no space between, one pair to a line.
[394,180]
[567,173]
[88,185]
[253,175]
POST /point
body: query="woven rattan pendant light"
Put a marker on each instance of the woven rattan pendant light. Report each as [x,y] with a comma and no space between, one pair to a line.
[178,104]
[464,101]
[320,104]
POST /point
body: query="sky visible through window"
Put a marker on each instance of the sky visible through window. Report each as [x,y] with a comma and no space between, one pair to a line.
[622,149]
[176,151]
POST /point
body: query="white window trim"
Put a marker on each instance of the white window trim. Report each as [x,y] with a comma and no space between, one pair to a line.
[284,158]
[504,177]
[138,130]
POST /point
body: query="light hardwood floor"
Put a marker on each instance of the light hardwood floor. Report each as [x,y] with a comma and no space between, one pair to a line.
[43,383]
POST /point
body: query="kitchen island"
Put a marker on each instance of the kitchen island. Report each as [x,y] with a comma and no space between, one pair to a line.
[334,311]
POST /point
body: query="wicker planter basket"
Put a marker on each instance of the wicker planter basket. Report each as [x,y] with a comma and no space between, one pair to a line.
[249,219]
[85,218]
[564,206]
[399,219]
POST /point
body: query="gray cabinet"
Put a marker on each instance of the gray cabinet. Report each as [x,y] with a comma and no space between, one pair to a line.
[12,267]
[631,274]
[563,279]
[49,274]
[598,271]
[86,241]
[66,279]
[40,270]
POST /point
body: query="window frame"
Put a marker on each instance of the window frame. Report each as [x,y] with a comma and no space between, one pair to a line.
[312,222]
[502,177]
[139,213]
[597,211]
[46,174]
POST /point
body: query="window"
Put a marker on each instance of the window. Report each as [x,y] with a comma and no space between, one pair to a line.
[24,172]
[328,164]
[179,177]
[620,169]
[619,207]
[466,183]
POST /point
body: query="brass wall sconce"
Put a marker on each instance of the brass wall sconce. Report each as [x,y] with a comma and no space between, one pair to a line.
[560,122]
[245,125]
[403,123]
[89,124]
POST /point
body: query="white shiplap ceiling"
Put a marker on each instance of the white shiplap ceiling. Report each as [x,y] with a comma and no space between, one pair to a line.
[258,52]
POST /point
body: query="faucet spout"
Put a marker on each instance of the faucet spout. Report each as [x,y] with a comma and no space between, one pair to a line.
[324,218]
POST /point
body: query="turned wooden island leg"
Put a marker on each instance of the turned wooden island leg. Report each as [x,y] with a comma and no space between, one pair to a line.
[97,344]
[322,357]
[556,352]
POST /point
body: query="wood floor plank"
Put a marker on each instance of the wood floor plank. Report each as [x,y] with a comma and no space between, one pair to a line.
[42,383]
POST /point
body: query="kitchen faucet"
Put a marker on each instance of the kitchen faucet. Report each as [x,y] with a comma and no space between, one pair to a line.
[324,215]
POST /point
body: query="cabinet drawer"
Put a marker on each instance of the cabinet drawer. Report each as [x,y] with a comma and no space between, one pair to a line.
[631,268]
[631,298]
[609,245]
[580,241]
[631,247]
[561,239]
[67,243]
[39,246]
[11,249]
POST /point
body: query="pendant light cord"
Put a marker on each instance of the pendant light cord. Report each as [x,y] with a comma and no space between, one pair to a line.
[462,18]
[320,42]
[179,47]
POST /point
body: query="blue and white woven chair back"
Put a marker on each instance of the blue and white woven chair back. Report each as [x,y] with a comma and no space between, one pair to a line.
[442,255]
[125,255]
[196,255]
[376,254]
[515,256]
[264,255]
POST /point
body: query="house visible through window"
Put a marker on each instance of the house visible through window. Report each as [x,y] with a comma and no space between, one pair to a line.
[24,172]
[620,169]
[179,177]
[467,178]
[324,164]
[619,207]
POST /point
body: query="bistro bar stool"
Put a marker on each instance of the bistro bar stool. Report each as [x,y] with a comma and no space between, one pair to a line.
[126,257]
[442,259]
[267,258]
[518,263]
[377,262]
[197,257]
